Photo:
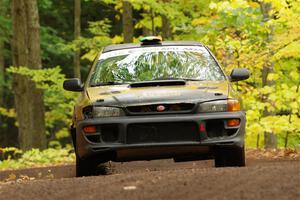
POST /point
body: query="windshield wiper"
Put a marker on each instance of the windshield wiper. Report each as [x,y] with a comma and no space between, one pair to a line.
[109,83]
[192,79]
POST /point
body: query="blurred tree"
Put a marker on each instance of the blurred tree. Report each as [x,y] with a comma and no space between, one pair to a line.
[127,21]
[270,139]
[77,26]
[1,74]
[26,52]
[166,32]
[4,38]
[1,77]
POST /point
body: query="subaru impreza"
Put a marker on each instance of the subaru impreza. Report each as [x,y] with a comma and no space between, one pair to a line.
[156,100]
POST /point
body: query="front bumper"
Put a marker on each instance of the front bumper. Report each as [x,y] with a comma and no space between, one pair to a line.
[122,150]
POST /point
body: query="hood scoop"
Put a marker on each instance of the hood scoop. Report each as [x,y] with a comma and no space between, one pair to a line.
[157,83]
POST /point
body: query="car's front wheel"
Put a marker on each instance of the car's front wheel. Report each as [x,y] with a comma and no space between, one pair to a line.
[88,167]
[85,167]
[230,156]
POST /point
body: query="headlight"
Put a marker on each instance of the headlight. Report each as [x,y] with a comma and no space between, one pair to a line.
[107,112]
[102,112]
[229,105]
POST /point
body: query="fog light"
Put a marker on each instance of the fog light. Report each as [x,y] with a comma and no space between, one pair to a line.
[233,122]
[90,129]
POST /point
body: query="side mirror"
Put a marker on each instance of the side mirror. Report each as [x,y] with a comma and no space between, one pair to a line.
[239,74]
[73,84]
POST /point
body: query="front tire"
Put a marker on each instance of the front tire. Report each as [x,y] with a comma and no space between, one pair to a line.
[230,156]
[85,167]
[89,167]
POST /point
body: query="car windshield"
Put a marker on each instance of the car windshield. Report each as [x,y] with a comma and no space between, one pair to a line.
[192,63]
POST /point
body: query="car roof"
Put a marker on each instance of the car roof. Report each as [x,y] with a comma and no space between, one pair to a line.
[139,45]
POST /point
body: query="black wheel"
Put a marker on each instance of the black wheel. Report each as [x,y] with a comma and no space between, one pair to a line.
[85,167]
[73,136]
[89,167]
[229,157]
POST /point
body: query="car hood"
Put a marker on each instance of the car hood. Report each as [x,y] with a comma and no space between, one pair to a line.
[192,92]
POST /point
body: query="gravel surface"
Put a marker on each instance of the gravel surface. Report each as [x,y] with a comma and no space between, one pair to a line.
[161,179]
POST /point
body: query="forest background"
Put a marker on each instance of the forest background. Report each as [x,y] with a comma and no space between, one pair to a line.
[63,38]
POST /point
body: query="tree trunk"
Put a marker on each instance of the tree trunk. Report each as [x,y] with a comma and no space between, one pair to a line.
[152,21]
[146,31]
[257,140]
[270,139]
[2,10]
[26,52]
[127,22]
[1,74]
[166,28]
[3,134]
[77,30]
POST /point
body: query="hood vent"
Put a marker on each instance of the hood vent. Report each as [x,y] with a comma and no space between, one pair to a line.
[157,83]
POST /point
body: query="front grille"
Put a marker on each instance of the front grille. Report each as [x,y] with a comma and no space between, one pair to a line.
[167,108]
[162,132]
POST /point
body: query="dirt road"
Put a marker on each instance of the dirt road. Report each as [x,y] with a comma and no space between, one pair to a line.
[162,179]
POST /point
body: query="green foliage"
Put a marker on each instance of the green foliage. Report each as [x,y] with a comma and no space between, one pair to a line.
[99,38]
[37,158]
[237,31]
[58,102]
[5,22]
[10,153]
[8,112]
[242,37]
[53,45]
[5,33]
